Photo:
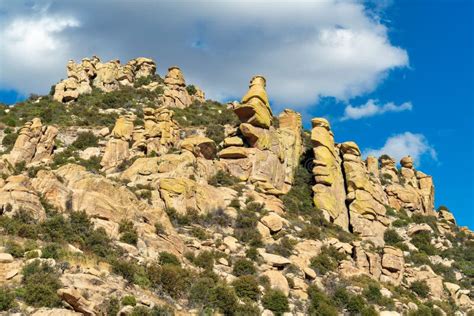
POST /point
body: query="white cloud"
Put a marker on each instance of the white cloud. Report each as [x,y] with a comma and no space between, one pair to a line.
[31,48]
[306,49]
[372,108]
[405,144]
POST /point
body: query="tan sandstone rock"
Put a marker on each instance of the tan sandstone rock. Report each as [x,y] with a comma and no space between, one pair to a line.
[329,191]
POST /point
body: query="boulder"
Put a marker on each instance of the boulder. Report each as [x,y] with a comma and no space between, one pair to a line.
[175,93]
[35,143]
[277,281]
[273,221]
[255,107]
[366,198]
[200,146]
[233,141]
[329,192]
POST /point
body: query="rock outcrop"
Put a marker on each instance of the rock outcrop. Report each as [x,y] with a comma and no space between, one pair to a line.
[161,131]
[35,143]
[175,93]
[255,107]
[92,73]
[329,190]
[366,199]
[117,149]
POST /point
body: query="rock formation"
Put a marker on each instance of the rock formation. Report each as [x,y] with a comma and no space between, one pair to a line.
[174,215]
[175,93]
[365,198]
[35,143]
[117,149]
[329,190]
[255,107]
[160,133]
[109,76]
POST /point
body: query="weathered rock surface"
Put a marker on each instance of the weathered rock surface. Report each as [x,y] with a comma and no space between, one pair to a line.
[35,143]
[175,93]
[255,107]
[329,191]
[365,197]
[109,76]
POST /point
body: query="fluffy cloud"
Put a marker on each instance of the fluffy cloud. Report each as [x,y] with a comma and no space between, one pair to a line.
[371,108]
[401,145]
[306,49]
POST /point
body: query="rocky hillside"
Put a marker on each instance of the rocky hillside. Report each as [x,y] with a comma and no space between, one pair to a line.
[124,193]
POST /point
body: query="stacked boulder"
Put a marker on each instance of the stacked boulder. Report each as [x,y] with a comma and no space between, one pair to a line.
[175,93]
[35,143]
[272,155]
[329,190]
[160,132]
[109,76]
[366,199]
[117,149]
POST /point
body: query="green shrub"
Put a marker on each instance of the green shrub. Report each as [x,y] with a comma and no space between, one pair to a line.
[9,140]
[283,248]
[216,217]
[276,301]
[15,249]
[128,231]
[191,89]
[199,233]
[391,237]
[205,260]
[160,229]
[175,281]
[390,211]
[299,199]
[422,241]
[112,306]
[420,288]
[222,179]
[245,226]
[201,291]
[224,299]
[319,304]
[129,300]
[327,260]
[243,267]
[206,114]
[85,140]
[124,268]
[51,251]
[372,293]
[39,285]
[7,299]
[169,258]
[399,223]
[246,286]
[252,253]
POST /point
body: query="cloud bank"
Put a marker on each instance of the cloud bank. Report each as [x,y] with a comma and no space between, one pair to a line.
[306,49]
[405,144]
[371,108]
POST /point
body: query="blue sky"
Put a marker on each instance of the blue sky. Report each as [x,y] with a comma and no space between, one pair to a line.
[396,77]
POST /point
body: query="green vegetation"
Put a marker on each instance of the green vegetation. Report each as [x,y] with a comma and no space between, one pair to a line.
[246,224]
[129,300]
[168,258]
[276,301]
[191,89]
[207,114]
[7,299]
[422,241]
[319,303]
[420,288]
[86,111]
[128,232]
[14,248]
[392,238]
[85,140]
[222,179]
[246,286]
[39,285]
[243,267]
[327,260]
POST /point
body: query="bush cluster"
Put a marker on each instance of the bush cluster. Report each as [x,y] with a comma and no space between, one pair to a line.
[39,285]
[128,232]
[222,179]
[327,260]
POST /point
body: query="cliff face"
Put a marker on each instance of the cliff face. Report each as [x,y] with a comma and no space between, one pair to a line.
[121,178]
